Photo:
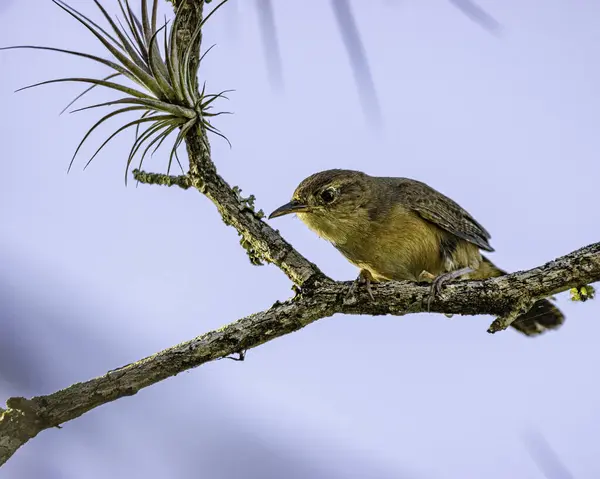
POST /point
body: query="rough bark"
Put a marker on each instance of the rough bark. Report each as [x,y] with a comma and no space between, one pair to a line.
[25,418]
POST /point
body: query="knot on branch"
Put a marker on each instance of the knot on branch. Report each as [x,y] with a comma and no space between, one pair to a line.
[316,285]
[27,414]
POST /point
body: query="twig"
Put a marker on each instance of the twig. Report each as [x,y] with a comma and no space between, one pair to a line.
[183,181]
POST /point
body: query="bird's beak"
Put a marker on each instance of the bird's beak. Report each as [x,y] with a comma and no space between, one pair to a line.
[293,206]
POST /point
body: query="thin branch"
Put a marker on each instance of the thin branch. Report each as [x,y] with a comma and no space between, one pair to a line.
[260,240]
[317,296]
[25,418]
[183,181]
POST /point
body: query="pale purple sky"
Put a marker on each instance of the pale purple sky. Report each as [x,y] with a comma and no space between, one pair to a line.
[95,275]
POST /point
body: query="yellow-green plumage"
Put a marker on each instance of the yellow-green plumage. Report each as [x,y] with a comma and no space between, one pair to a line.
[401,229]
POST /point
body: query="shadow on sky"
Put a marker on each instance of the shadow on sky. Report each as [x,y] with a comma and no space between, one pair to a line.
[350,33]
[40,335]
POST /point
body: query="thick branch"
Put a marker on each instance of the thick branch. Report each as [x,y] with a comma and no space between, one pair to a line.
[25,418]
[318,297]
[496,296]
[261,239]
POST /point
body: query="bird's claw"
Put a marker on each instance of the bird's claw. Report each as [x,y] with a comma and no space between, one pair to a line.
[436,285]
[439,281]
[435,288]
[369,289]
[364,278]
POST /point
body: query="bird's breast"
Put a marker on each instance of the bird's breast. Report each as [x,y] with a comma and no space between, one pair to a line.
[398,247]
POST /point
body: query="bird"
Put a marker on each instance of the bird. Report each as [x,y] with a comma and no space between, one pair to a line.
[396,229]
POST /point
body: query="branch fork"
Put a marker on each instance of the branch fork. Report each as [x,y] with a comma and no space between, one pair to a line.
[522,306]
[317,296]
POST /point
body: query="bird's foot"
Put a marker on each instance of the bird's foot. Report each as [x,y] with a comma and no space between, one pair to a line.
[364,279]
[439,281]
[426,276]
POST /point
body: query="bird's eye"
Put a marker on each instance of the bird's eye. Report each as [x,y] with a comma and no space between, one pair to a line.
[328,195]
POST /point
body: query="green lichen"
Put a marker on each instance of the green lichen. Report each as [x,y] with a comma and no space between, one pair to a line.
[183,181]
[582,293]
[247,203]
[253,255]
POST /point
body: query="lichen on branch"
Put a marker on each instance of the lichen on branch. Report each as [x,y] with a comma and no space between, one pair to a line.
[316,295]
[25,418]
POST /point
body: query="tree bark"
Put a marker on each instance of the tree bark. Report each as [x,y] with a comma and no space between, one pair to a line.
[25,418]
[317,296]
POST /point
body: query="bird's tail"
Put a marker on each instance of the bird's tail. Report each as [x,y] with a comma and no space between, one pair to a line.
[541,317]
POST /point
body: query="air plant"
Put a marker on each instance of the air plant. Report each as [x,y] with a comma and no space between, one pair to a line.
[168,98]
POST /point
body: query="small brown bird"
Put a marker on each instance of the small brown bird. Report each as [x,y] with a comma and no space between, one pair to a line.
[402,229]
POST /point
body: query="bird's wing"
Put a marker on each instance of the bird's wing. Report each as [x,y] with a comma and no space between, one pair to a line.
[441,210]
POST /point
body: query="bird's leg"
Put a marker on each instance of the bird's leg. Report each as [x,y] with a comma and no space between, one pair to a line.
[439,281]
[364,278]
[444,278]
[427,277]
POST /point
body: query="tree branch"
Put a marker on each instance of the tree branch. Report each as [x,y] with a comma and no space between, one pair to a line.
[317,295]
[260,240]
[25,418]
[183,181]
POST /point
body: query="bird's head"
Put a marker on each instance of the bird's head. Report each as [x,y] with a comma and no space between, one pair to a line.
[333,203]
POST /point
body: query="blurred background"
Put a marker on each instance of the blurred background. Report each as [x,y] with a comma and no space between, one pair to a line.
[495,105]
